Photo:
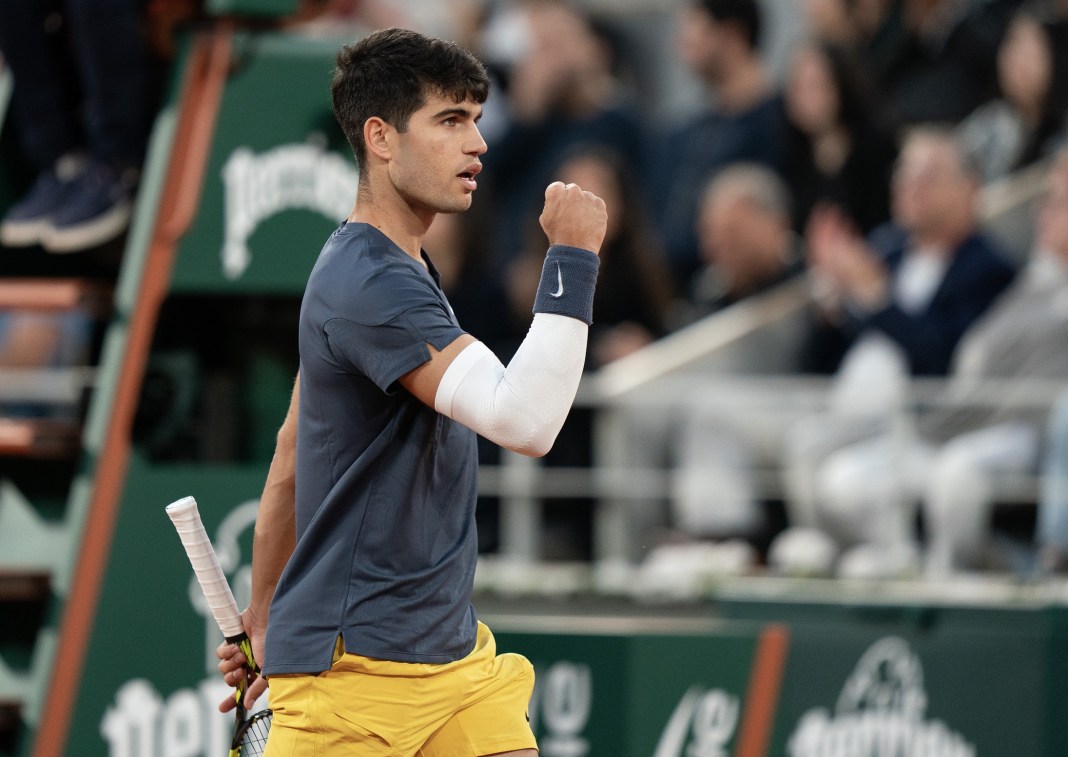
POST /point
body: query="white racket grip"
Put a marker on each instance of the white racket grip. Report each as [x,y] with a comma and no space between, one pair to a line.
[186,519]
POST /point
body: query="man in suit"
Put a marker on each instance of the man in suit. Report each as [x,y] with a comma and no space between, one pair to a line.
[922,279]
[897,302]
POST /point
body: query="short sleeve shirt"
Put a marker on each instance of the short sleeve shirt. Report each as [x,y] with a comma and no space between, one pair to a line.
[386,487]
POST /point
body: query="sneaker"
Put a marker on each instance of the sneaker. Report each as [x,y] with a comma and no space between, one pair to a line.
[96,208]
[29,220]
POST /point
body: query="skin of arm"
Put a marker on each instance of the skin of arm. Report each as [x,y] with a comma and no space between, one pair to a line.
[273,543]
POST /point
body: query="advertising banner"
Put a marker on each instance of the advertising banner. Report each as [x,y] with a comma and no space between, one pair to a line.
[280,176]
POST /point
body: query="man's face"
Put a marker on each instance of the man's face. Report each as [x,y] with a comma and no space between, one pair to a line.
[739,238]
[929,186]
[437,157]
[699,41]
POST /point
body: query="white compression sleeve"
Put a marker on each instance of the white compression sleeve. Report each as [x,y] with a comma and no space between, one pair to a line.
[521,407]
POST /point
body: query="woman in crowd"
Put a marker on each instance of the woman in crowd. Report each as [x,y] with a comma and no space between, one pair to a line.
[1030,118]
[838,154]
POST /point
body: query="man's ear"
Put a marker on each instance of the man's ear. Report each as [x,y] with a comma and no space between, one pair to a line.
[376,137]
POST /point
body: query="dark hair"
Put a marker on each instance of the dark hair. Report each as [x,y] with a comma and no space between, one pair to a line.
[859,108]
[743,13]
[391,72]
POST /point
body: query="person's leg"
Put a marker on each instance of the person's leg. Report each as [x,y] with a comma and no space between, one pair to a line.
[116,78]
[866,491]
[45,108]
[712,486]
[1052,531]
[116,75]
[806,445]
[493,692]
[960,492]
[46,98]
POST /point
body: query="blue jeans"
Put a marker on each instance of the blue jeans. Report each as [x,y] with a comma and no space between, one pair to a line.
[83,78]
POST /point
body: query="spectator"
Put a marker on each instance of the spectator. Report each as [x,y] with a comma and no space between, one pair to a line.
[563,88]
[837,151]
[976,432]
[744,237]
[1030,118]
[920,280]
[719,41]
[898,302]
[716,440]
[747,246]
[83,103]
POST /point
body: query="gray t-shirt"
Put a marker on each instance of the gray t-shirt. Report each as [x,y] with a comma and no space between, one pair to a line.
[386,487]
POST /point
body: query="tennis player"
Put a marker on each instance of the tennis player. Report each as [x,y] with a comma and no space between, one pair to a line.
[366,566]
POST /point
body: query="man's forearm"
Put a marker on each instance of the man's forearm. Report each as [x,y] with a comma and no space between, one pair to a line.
[275,535]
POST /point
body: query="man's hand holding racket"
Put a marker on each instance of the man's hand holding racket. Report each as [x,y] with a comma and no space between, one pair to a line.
[234,665]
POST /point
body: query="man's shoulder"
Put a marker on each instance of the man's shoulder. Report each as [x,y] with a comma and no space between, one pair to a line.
[363,276]
[985,251]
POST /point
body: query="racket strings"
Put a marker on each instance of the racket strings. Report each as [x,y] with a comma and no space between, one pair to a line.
[254,737]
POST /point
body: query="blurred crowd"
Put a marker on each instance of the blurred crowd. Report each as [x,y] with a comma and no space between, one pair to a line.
[858,164]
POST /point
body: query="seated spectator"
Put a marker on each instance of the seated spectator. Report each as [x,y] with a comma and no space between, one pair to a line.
[951,460]
[1030,118]
[719,41]
[83,103]
[744,237]
[837,151]
[715,440]
[898,301]
[563,88]
[921,279]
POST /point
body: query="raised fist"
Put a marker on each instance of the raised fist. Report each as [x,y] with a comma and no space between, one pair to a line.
[574,217]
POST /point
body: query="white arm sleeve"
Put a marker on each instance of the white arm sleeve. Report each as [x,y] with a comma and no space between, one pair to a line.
[521,407]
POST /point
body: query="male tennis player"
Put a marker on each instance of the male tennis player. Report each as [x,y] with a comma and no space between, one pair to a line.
[373,647]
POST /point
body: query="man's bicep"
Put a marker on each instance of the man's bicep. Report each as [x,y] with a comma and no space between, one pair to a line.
[423,382]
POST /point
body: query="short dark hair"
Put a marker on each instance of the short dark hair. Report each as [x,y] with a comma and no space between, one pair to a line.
[745,14]
[390,74]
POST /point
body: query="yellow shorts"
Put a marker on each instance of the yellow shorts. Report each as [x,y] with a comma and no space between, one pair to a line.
[363,706]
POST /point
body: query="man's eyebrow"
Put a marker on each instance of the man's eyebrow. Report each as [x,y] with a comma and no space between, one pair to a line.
[459,111]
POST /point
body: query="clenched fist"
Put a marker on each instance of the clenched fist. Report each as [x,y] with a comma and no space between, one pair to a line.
[573,217]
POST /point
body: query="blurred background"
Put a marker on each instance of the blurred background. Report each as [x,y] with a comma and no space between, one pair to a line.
[813,497]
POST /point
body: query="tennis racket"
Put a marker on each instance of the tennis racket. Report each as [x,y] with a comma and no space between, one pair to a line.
[250,731]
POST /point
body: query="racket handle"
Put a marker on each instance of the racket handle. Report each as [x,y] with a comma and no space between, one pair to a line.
[186,519]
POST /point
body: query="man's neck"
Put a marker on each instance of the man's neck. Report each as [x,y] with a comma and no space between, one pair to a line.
[946,238]
[404,227]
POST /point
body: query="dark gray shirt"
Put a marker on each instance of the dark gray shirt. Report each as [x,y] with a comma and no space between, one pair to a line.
[386,487]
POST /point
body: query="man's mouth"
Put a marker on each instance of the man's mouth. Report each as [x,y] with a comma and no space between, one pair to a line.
[468,178]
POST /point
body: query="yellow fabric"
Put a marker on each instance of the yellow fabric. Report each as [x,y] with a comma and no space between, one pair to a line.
[363,706]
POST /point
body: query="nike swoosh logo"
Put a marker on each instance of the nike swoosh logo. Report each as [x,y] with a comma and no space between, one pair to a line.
[560,283]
